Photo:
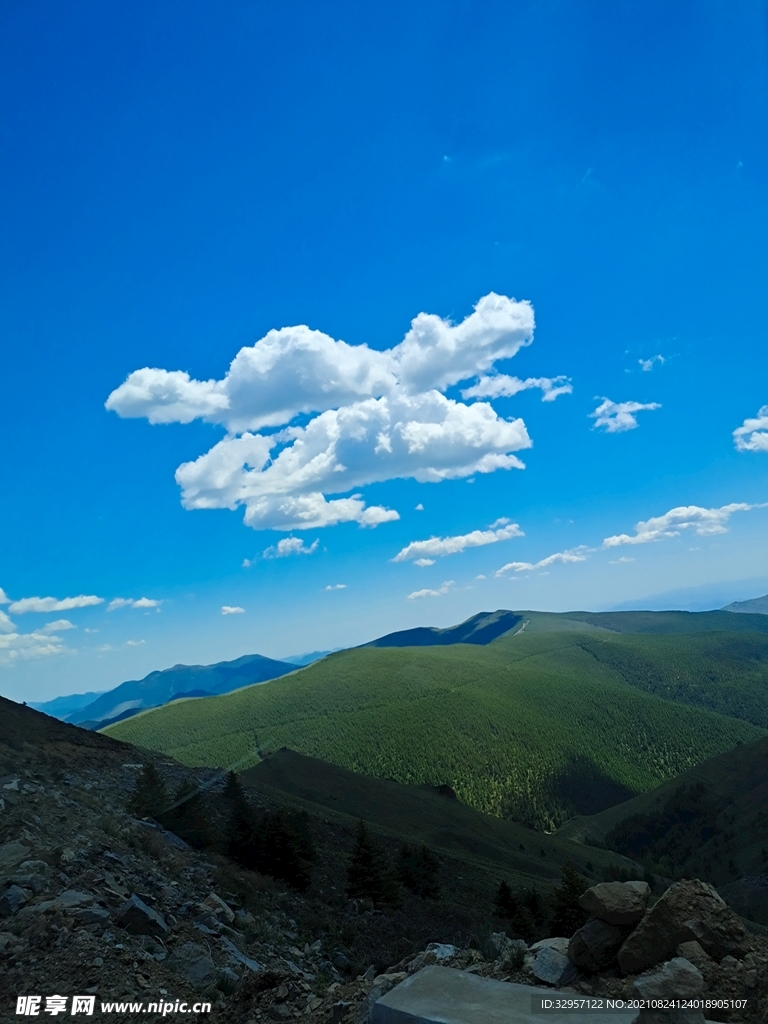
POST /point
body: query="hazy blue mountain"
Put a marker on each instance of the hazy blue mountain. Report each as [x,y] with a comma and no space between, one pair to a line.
[757,606]
[160,687]
[300,660]
[479,629]
[61,707]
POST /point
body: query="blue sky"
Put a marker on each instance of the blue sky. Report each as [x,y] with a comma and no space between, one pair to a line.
[178,180]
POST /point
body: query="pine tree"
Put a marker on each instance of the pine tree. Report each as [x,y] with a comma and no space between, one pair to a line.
[149,799]
[368,872]
[417,869]
[568,915]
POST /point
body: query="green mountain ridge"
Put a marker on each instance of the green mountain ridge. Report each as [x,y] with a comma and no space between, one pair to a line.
[552,720]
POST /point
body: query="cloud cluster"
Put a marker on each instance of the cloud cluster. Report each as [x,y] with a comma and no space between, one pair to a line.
[290,546]
[579,554]
[42,643]
[704,522]
[232,609]
[502,386]
[619,416]
[752,435]
[446,586]
[374,416]
[424,552]
[52,604]
[128,602]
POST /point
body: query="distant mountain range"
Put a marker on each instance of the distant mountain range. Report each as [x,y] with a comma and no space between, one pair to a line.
[479,629]
[757,606]
[170,684]
[62,707]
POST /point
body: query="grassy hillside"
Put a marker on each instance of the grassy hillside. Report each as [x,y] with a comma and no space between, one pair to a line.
[710,823]
[534,726]
[419,814]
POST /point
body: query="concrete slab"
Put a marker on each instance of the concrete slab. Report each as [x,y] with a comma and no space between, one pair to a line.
[442,995]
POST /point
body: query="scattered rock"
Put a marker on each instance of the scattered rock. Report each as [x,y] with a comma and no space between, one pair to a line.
[12,900]
[139,919]
[193,963]
[677,979]
[618,903]
[12,854]
[215,905]
[687,910]
[595,945]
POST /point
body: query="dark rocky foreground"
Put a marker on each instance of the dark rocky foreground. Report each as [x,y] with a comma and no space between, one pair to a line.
[96,902]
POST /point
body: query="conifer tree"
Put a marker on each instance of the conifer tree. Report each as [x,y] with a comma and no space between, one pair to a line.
[568,916]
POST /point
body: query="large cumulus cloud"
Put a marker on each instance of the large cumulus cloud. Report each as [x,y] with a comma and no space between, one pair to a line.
[375,416]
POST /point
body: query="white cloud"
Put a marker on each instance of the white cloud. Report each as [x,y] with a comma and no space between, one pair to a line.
[337,586]
[436,547]
[4,599]
[231,609]
[59,626]
[446,586]
[377,416]
[502,386]
[128,602]
[752,435]
[703,521]
[16,647]
[424,562]
[620,561]
[52,604]
[133,643]
[579,554]
[290,546]
[419,508]
[619,416]
[648,364]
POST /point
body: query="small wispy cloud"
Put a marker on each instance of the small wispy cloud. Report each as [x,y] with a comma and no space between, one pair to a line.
[579,554]
[419,508]
[290,546]
[232,609]
[617,417]
[752,435]
[53,604]
[646,365]
[424,552]
[59,626]
[424,562]
[134,643]
[620,561]
[500,385]
[446,586]
[129,602]
[704,522]
[336,586]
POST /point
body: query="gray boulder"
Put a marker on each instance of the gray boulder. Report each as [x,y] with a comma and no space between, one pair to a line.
[12,854]
[13,899]
[619,903]
[595,945]
[677,979]
[194,964]
[139,919]
[553,967]
[689,910]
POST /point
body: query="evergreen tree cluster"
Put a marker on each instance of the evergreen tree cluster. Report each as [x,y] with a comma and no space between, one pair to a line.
[526,913]
[276,843]
[371,876]
[184,813]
